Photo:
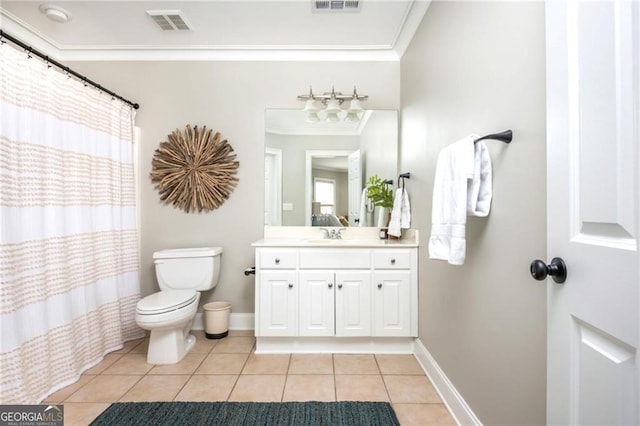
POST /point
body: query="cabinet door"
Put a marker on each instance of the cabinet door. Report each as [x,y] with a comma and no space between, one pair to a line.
[353,303]
[392,308]
[316,303]
[277,304]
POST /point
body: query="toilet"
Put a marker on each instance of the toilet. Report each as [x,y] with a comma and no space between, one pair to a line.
[182,274]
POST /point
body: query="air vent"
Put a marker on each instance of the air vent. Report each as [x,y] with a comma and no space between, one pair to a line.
[170,20]
[336,5]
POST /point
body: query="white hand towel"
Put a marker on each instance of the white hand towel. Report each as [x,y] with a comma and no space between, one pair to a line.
[401,213]
[463,171]
[479,189]
[405,218]
[366,209]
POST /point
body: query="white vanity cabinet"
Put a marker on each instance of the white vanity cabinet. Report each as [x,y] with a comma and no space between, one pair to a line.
[335,303]
[278,290]
[392,292]
[335,298]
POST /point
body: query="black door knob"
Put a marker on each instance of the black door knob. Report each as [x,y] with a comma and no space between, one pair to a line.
[556,269]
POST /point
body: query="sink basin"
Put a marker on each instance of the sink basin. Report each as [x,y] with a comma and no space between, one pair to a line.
[342,242]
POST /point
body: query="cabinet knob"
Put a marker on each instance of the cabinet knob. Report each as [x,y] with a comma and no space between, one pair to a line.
[277,260]
[380,285]
[393,261]
[290,285]
[339,285]
[330,285]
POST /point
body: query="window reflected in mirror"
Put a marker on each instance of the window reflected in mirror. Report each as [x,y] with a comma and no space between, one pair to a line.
[315,172]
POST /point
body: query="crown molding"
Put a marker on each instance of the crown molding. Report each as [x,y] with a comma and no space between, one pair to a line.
[410,24]
[384,53]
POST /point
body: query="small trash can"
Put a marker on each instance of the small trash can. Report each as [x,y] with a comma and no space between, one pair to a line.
[216,319]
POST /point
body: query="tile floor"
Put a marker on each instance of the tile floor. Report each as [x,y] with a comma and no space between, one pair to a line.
[229,370]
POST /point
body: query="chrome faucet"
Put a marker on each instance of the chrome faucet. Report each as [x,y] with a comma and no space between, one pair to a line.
[333,234]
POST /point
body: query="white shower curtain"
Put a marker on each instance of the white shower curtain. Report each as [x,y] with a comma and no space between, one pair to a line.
[68,239]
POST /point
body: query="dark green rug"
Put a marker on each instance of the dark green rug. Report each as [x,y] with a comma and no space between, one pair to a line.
[248,413]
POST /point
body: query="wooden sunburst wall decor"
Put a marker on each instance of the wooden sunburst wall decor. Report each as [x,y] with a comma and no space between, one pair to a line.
[194,170]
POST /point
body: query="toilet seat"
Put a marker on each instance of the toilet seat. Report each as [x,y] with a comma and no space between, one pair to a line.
[165,301]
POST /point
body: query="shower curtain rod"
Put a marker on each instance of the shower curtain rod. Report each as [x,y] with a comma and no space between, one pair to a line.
[84,79]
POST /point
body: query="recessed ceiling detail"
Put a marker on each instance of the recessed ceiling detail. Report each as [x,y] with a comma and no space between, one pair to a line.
[336,5]
[170,20]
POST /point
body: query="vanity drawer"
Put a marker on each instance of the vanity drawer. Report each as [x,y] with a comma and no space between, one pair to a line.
[335,259]
[391,259]
[278,259]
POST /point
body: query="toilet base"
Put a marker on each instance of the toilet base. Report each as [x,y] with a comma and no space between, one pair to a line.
[169,346]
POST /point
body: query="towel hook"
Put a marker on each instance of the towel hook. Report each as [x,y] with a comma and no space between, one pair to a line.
[402,177]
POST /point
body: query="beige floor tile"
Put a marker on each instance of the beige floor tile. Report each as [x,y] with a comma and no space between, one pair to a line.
[141,348]
[156,388]
[107,388]
[423,414]
[355,364]
[81,414]
[135,364]
[65,392]
[364,387]
[108,360]
[222,364]
[186,365]
[411,389]
[309,387]
[399,364]
[311,364]
[203,345]
[128,346]
[258,388]
[235,345]
[207,388]
[267,364]
[236,333]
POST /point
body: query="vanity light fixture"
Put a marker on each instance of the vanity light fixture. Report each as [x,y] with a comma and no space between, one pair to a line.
[332,102]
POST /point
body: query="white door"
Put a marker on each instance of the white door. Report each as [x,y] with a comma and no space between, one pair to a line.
[391,303]
[593,182]
[354,188]
[353,303]
[316,303]
[278,301]
[273,187]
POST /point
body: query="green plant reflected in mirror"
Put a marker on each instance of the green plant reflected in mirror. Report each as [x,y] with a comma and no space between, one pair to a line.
[302,157]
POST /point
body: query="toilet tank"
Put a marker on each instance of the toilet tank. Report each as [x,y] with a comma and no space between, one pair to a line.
[188,268]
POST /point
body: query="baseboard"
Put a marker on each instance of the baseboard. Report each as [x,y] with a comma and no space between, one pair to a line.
[236,321]
[457,406]
[335,345]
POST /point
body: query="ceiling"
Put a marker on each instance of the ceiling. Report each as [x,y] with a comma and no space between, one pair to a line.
[221,30]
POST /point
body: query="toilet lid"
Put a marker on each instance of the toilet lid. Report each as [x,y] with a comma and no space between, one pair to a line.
[164,301]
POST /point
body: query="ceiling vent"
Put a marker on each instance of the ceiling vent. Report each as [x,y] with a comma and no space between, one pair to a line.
[336,5]
[170,20]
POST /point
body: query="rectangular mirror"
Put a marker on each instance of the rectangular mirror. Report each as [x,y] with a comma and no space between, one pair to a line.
[315,172]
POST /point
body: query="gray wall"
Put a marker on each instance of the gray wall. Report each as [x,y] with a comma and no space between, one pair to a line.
[229,97]
[376,140]
[479,67]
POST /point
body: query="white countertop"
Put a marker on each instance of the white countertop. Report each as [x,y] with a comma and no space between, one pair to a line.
[302,236]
